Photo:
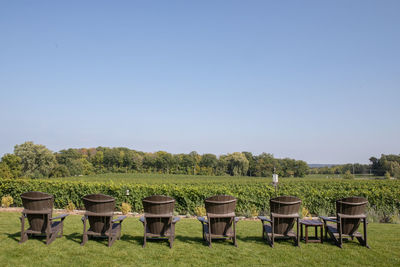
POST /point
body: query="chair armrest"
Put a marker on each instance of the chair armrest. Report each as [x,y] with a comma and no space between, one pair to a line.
[345,216]
[141,219]
[277,215]
[263,218]
[119,219]
[328,219]
[62,216]
[176,219]
[202,219]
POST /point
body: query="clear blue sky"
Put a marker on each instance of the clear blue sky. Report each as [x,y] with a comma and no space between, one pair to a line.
[311,80]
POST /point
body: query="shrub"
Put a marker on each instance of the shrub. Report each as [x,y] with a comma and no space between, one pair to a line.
[6,201]
[387,175]
[125,208]
[348,175]
[70,207]
[317,195]
[200,211]
[305,213]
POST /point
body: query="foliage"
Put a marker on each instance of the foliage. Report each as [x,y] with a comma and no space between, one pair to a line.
[387,175]
[70,207]
[13,163]
[237,164]
[305,213]
[125,208]
[36,160]
[386,163]
[348,175]
[255,193]
[200,211]
[5,171]
[6,201]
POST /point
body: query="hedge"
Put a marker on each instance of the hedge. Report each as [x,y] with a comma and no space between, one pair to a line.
[318,196]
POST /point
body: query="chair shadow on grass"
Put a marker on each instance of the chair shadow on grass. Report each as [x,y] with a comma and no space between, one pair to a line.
[191,240]
[77,238]
[136,240]
[17,237]
[260,240]
[199,240]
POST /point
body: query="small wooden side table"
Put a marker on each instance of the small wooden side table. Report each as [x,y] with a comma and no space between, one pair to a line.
[312,223]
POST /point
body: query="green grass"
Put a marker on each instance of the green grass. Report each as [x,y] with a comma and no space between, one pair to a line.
[155,178]
[189,249]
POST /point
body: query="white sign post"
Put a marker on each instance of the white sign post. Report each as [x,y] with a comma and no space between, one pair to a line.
[275,182]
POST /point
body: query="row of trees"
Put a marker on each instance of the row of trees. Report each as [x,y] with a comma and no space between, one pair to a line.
[342,169]
[36,161]
[388,165]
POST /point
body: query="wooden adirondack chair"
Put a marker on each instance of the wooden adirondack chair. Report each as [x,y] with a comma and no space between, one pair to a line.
[350,212]
[221,219]
[99,213]
[158,220]
[284,213]
[38,209]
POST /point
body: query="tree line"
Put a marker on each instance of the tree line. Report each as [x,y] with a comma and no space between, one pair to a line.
[388,165]
[36,161]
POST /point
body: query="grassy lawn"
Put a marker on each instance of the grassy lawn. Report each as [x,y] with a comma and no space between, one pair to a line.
[189,249]
[155,178]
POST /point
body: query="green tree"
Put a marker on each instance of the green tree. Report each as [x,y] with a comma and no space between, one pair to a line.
[252,163]
[237,164]
[14,164]
[265,164]
[37,161]
[348,175]
[5,171]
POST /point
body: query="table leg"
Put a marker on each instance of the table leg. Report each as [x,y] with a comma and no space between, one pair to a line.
[301,231]
[322,240]
[306,234]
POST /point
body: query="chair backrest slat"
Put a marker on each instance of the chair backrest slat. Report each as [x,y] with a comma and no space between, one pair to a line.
[158,213]
[100,210]
[38,207]
[284,205]
[220,211]
[351,206]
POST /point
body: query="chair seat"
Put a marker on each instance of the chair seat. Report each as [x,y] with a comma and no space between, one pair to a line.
[268,230]
[333,229]
[116,228]
[227,235]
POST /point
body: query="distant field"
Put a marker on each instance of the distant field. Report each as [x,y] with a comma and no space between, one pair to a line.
[155,178]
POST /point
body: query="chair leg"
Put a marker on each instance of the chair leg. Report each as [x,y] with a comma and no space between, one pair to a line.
[365,233]
[24,235]
[144,240]
[234,233]
[84,239]
[297,233]
[272,234]
[340,234]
